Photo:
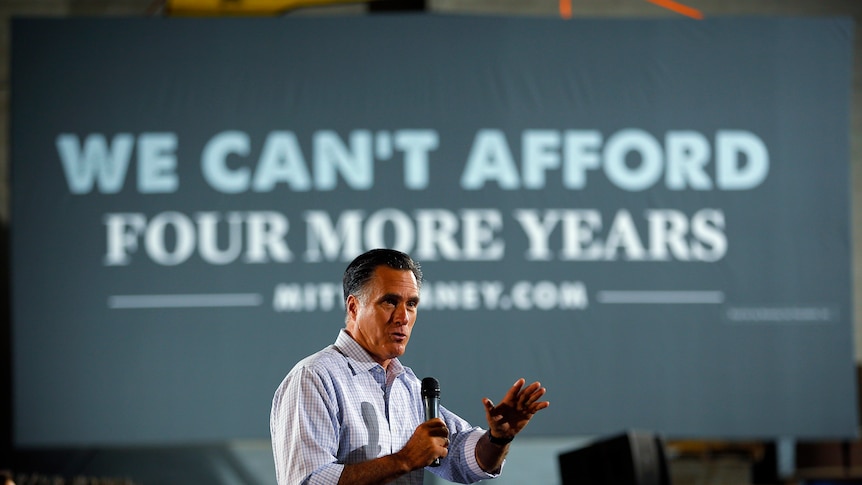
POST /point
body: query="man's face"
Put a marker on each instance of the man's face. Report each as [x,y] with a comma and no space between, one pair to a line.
[382,318]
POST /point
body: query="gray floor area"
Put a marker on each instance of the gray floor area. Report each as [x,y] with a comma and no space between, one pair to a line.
[531,461]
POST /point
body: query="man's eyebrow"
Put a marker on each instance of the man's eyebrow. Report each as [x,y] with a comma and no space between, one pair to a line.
[396,296]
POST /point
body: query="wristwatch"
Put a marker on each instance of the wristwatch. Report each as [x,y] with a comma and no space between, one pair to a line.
[499,441]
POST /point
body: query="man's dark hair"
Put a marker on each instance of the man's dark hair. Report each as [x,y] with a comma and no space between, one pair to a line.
[360,270]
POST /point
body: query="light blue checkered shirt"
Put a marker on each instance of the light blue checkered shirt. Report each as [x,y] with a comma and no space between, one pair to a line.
[339,407]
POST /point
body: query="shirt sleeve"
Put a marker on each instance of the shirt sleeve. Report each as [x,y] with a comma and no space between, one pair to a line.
[304,430]
[460,464]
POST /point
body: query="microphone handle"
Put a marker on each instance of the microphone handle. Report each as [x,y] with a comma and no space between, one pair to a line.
[432,410]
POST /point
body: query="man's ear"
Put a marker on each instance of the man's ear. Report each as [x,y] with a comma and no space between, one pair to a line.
[352,305]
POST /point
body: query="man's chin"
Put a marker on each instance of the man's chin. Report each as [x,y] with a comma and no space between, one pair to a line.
[398,350]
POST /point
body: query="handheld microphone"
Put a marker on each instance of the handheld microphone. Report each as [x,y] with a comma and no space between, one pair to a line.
[431,402]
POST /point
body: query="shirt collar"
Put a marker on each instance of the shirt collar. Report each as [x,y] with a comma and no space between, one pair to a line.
[362,359]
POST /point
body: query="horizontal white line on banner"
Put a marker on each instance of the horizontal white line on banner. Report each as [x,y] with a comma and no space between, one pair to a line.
[661,297]
[184,301]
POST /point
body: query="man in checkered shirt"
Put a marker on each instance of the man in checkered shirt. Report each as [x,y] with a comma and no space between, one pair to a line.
[353,414]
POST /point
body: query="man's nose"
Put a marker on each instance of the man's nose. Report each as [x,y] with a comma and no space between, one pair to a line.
[401,315]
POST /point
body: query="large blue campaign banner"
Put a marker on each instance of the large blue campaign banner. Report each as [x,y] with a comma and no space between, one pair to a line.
[651,217]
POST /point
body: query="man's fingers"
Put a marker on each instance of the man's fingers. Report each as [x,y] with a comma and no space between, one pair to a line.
[436,427]
[443,440]
[534,404]
[535,394]
[513,392]
[520,397]
[541,405]
[526,394]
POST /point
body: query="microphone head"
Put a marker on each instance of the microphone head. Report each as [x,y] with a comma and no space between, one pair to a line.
[430,387]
